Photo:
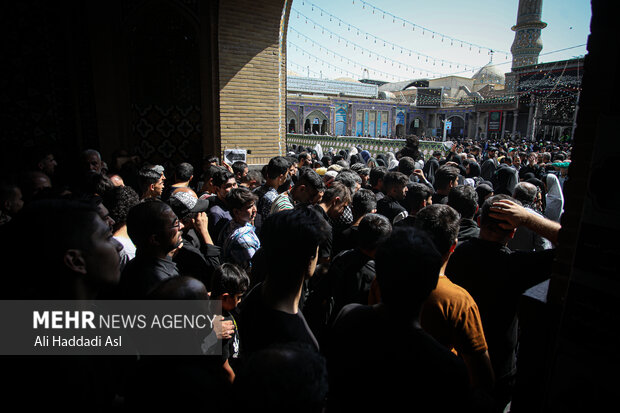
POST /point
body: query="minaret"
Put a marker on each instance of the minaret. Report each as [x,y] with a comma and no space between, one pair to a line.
[527,44]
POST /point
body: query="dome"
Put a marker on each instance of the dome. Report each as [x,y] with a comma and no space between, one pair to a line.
[489,73]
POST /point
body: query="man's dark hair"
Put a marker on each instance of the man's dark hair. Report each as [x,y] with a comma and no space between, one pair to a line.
[292,159]
[222,176]
[277,166]
[238,197]
[119,201]
[487,221]
[437,154]
[211,171]
[257,176]
[392,179]
[147,176]
[239,167]
[444,175]
[407,266]
[373,230]
[309,177]
[304,230]
[349,178]
[464,199]
[376,174]
[180,287]
[406,165]
[229,279]
[441,223]
[146,219]
[416,194]
[525,192]
[411,148]
[302,155]
[337,190]
[212,159]
[183,172]
[364,202]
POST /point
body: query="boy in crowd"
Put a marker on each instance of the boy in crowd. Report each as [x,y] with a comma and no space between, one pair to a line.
[228,284]
[239,241]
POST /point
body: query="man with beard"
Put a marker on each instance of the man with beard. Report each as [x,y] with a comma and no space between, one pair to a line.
[156,232]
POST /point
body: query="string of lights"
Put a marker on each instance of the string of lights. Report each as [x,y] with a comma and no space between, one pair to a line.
[344,59]
[369,53]
[302,67]
[394,62]
[381,41]
[406,23]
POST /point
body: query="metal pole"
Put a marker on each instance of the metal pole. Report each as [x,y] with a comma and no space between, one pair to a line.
[445,129]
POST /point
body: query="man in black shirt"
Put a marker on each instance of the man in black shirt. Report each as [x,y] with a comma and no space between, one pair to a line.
[418,196]
[395,187]
[352,271]
[446,178]
[503,277]
[364,202]
[270,313]
[405,366]
[156,231]
[376,181]
[464,199]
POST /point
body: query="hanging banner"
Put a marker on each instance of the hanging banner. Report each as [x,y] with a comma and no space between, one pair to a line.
[495,121]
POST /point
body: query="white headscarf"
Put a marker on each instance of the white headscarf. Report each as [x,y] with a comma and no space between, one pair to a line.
[554,198]
[352,151]
[392,162]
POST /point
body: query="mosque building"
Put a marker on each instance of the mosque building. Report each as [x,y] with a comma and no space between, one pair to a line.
[532,101]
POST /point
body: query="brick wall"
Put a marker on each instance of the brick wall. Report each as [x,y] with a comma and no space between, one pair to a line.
[252,73]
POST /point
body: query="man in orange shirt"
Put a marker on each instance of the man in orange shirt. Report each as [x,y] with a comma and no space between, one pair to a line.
[450,314]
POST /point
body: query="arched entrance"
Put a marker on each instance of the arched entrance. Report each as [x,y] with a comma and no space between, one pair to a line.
[416,127]
[400,131]
[316,123]
[341,122]
[458,127]
[291,121]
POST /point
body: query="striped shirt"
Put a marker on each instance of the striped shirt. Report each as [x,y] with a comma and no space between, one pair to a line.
[282,202]
[239,244]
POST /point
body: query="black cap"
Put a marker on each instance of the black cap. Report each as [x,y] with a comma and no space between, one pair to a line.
[183,203]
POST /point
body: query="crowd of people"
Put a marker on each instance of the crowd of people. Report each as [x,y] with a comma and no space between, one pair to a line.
[348,282]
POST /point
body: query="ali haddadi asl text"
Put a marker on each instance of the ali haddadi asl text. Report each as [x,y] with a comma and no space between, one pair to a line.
[78,341]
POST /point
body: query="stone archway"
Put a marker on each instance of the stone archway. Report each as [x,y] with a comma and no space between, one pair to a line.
[317,121]
[458,126]
[291,121]
[400,130]
[416,130]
